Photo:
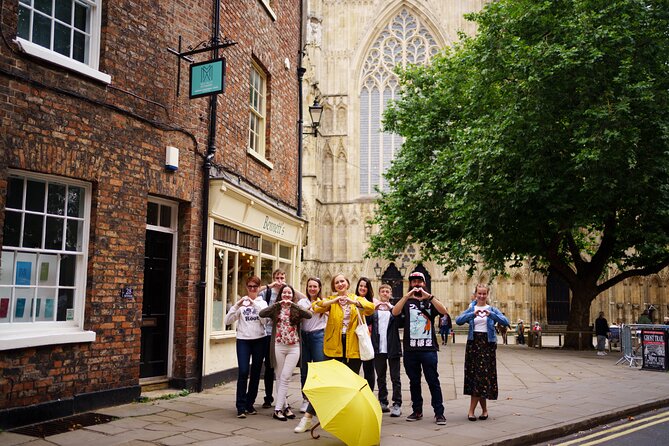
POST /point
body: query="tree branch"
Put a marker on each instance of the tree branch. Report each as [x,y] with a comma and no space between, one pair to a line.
[631,273]
[575,252]
[603,254]
[553,256]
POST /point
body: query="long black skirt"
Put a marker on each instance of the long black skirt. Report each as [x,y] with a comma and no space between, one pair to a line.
[481,367]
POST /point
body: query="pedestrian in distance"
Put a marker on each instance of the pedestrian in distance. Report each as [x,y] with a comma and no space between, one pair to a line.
[364,289]
[340,341]
[602,331]
[481,352]
[286,318]
[520,332]
[250,346]
[418,310]
[313,331]
[445,327]
[501,330]
[536,335]
[644,318]
[387,351]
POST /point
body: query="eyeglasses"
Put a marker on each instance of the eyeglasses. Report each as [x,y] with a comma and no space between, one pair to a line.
[250,287]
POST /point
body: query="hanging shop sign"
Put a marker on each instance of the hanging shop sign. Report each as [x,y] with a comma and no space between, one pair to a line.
[207,78]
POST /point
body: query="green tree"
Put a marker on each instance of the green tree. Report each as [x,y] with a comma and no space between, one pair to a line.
[543,138]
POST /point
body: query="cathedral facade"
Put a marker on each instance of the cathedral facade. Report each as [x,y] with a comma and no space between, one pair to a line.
[352,49]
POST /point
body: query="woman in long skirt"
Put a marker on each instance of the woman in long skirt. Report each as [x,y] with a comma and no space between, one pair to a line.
[480,353]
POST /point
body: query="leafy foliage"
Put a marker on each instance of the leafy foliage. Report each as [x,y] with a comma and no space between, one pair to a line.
[543,137]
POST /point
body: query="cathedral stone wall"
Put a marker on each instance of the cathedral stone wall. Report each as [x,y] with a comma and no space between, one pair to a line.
[352,48]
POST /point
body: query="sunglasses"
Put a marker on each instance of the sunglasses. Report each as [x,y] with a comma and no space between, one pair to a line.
[251,287]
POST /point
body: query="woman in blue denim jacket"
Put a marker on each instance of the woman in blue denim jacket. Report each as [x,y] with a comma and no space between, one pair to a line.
[481,351]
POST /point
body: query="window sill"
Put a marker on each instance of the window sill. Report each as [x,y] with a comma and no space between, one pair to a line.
[58,59]
[222,336]
[269,10]
[261,159]
[21,339]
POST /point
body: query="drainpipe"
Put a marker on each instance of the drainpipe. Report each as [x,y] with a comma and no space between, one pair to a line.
[211,151]
[300,112]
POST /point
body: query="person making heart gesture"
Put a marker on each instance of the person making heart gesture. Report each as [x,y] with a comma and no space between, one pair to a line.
[481,351]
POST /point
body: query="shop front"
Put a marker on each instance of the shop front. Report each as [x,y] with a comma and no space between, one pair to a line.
[247,237]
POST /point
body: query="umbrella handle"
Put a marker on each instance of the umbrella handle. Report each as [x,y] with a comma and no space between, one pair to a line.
[316,436]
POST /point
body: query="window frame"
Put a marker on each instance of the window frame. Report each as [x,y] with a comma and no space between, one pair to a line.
[258,150]
[31,334]
[268,7]
[90,69]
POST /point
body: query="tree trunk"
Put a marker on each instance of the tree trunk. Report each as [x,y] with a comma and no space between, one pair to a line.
[579,330]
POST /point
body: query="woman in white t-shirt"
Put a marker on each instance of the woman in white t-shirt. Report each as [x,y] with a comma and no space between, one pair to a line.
[312,333]
[481,351]
[250,345]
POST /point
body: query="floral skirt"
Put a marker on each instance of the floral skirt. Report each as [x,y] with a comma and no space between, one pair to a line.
[481,367]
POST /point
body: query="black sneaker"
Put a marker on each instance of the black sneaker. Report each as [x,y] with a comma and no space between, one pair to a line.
[251,411]
[241,414]
[415,416]
[266,404]
[440,419]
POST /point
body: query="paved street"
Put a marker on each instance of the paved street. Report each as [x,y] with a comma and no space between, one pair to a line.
[544,393]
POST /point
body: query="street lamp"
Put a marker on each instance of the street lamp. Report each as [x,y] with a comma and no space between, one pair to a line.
[315,112]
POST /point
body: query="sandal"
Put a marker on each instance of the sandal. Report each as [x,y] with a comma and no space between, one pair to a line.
[278,415]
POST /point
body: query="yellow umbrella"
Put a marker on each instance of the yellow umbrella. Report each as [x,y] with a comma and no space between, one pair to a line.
[344,403]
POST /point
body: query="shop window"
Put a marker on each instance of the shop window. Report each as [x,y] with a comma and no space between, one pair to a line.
[44,256]
[231,270]
[64,32]
[239,255]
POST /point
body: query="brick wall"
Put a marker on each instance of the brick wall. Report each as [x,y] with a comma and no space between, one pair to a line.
[59,122]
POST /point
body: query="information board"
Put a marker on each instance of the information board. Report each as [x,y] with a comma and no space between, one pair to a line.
[654,349]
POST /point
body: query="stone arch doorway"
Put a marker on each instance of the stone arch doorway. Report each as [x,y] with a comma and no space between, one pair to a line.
[393,277]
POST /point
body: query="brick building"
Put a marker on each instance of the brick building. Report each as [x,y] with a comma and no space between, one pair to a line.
[102,243]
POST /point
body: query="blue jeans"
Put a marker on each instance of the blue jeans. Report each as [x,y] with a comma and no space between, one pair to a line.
[250,354]
[312,351]
[413,362]
[268,378]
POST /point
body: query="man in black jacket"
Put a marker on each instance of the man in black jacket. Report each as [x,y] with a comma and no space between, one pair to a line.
[602,332]
[387,351]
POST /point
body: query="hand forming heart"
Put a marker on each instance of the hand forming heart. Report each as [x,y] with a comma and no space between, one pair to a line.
[482,313]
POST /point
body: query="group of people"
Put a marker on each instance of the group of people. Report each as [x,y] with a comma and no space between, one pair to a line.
[278,325]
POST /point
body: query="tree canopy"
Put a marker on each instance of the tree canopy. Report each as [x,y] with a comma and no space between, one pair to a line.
[544,137]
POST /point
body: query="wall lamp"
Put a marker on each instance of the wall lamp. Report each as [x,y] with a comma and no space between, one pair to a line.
[315,112]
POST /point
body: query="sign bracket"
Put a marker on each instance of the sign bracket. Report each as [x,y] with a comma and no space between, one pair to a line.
[213,44]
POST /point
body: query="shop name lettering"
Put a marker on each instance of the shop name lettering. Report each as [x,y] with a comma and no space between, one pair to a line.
[276,228]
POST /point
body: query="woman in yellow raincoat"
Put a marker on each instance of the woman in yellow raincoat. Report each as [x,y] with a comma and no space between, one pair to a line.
[341,342]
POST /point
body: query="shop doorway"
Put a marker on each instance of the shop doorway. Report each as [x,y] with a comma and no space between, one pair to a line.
[158,291]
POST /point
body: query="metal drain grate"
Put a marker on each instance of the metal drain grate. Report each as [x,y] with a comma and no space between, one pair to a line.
[62,425]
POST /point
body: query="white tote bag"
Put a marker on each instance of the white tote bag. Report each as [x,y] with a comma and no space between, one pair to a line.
[364,340]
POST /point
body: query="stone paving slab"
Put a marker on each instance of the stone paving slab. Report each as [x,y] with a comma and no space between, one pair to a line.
[542,392]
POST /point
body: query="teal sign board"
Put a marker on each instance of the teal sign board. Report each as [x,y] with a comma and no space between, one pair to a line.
[207,78]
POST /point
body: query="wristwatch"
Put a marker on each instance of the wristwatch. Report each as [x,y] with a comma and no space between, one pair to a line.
[429,299]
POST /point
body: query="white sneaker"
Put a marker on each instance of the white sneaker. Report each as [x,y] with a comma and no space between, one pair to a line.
[396,411]
[600,353]
[303,407]
[305,425]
